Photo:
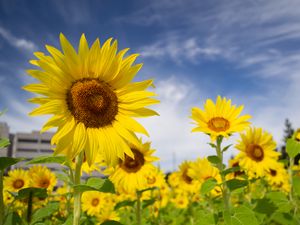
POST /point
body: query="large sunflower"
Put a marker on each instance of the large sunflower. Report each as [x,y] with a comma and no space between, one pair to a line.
[131,174]
[220,119]
[258,153]
[91,98]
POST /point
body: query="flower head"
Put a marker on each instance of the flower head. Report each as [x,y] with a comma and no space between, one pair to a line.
[220,119]
[257,151]
[92,98]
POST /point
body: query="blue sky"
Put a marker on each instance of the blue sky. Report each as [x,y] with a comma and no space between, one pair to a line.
[248,51]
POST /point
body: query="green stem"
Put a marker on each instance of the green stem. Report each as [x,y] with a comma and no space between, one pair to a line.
[225,191]
[291,194]
[1,198]
[29,207]
[138,208]
[77,194]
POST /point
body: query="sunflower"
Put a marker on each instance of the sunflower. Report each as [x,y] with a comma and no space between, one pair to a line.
[181,199]
[278,178]
[91,98]
[16,180]
[296,135]
[238,174]
[107,215]
[93,202]
[220,119]
[42,177]
[131,174]
[201,170]
[182,180]
[257,152]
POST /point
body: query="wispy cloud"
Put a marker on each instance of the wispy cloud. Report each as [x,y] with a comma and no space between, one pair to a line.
[17,42]
[179,50]
[73,11]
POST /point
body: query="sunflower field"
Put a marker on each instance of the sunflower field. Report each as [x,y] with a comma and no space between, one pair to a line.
[93,101]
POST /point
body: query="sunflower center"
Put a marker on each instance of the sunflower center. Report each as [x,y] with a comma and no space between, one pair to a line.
[19,183]
[255,152]
[133,165]
[218,124]
[186,178]
[95,202]
[151,180]
[44,183]
[273,172]
[92,102]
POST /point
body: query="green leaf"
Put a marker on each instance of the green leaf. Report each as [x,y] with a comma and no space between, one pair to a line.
[226,148]
[4,142]
[96,184]
[236,183]
[148,202]
[36,192]
[63,177]
[243,216]
[107,187]
[292,147]
[13,219]
[69,220]
[208,185]
[214,159]
[147,189]
[280,200]
[231,170]
[111,222]
[212,145]
[284,218]
[44,212]
[205,218]
[296,185]
[265,206]
[124,204]
[8,161]
[48,159]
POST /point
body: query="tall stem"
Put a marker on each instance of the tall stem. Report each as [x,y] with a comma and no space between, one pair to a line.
[225,192]
[29,207]
[1,198]
[291,194]
[138,208]
[77,194]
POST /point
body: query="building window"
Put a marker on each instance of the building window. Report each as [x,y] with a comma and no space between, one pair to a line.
[28,140]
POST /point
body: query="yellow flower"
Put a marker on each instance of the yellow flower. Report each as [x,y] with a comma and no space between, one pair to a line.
[278,178]
[180,200]
[91,98]
[107,214]
[296,135]
[42,177]
[235,162]
[96,166]
[220,119]
[202,170]
[257,152]
[131,174]
[182,180]
[7,198]
[16,180]
[93,202]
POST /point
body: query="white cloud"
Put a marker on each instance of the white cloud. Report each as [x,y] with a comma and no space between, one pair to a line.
[179,50]
[19,43]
